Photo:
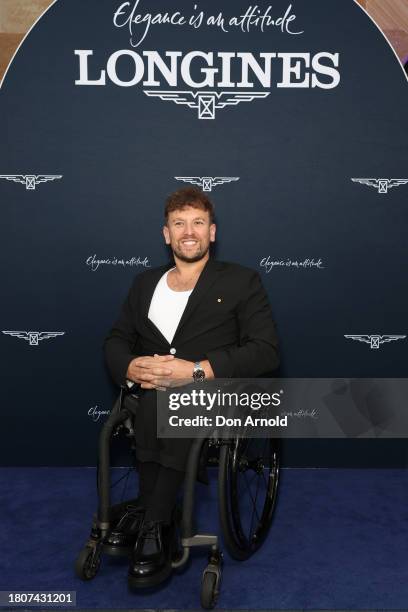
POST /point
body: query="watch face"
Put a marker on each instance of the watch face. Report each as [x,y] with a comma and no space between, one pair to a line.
[199,375]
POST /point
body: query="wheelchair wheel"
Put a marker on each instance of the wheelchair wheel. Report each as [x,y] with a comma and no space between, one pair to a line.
[88,563]
[247,491]
[209,594]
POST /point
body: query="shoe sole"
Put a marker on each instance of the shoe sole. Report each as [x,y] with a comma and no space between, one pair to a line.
[139,582]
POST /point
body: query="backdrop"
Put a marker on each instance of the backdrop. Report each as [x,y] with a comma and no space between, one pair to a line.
[276,111]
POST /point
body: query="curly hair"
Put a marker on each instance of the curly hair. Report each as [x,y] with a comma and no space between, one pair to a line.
[189,196]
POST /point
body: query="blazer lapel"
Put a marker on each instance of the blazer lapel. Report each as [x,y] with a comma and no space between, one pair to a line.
[206,279]
[147,295]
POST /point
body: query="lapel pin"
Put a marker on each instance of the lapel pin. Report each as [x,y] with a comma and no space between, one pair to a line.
[219,300]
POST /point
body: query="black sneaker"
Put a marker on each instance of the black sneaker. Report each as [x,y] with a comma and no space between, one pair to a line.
[122,538]
[151,559]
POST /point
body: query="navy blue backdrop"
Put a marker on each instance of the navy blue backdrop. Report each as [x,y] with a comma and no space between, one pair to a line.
[332,252]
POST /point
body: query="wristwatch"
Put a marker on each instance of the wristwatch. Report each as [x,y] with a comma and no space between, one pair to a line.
[198,373]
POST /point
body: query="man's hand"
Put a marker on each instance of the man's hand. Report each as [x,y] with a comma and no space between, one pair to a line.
[143,370]
[162,371]
[182,373]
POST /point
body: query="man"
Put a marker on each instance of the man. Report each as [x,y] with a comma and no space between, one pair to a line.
[195,319]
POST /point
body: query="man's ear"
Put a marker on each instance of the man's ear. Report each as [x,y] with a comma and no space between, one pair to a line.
[166,234]
[213,229]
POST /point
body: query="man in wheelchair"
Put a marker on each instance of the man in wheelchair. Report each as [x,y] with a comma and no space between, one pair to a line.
[195,318]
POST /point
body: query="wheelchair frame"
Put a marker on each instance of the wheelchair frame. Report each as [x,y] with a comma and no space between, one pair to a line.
[88,561]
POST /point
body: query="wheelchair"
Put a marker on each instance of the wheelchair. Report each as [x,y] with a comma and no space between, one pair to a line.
[248,476]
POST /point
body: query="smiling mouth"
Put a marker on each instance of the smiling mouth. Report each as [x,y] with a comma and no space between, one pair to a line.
[189,242]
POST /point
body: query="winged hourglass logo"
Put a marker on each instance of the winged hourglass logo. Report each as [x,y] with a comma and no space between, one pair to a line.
[382,185]
[33,337]
[207,182]
[31,180]
[207,103]
[375,340]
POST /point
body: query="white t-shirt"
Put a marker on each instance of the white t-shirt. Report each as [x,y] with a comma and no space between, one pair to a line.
[167,307]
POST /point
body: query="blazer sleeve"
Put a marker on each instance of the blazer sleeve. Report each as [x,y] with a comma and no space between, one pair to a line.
[256,353]
[120,342]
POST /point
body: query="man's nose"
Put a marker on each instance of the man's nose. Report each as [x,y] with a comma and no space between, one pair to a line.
[189,230]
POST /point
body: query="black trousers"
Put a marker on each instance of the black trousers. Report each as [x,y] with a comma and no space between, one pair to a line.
[158,490]
[162,461]
[168,452]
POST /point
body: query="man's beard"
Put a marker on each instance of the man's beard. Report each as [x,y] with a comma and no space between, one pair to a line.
[190,259]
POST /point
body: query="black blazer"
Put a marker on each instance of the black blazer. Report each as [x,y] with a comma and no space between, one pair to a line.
[227,320]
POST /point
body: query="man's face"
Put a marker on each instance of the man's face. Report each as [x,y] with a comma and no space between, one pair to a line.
[189,233]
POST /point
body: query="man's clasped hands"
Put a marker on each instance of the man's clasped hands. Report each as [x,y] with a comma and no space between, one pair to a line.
[159,371]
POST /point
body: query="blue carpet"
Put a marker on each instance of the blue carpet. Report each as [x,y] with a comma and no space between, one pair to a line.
[338,541]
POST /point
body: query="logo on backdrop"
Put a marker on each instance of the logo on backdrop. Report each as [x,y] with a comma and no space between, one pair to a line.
[94,263]
[208,81]
[33,337]
[207,182]
[382,185]
[96,414]
[31,180]
[268,263]
[206,102]
[375,340]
